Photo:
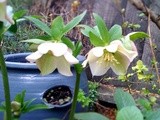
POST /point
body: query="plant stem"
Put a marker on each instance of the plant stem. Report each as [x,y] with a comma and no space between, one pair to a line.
[8,114]
[76,89]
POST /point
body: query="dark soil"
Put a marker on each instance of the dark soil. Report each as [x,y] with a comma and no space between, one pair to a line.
[58,95]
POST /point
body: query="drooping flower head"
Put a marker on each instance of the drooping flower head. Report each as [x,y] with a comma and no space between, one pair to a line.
[112,49]
[114,56]
[51,56]
[6,12]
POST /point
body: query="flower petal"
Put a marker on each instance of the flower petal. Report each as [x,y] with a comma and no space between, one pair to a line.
[34,56]
[131,54]
[45,47]
[46,64]
[63,66]
[70,58]
[99,68]
[59,49]
[97,51]
[113,46]
[120,67]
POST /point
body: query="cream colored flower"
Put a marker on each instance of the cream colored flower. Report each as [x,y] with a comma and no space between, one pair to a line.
[6,12]
[114,56]
[50,56]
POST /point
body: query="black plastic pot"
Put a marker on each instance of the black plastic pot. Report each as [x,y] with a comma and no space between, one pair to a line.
[26,76]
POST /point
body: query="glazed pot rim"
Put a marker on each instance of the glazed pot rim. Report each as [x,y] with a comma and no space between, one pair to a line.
[21,65]
[25,65]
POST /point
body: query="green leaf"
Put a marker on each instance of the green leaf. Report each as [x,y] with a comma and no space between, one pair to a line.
[137,35]
[36,107]
[13,28]
[153,115]
[73,22]
[86,29]
[19,14]
[57,27]
[95,40]
[123,99]
[40,25]
[115,32]
[20,97]
[44,37]
[129,113]
[144,103]
[35,41]
[77,49]
[26,104]
[90,116]
[68,42]
[102,28]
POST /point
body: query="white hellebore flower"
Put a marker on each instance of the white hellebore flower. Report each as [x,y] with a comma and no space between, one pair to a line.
[6,13]
[114,56]
[50,56]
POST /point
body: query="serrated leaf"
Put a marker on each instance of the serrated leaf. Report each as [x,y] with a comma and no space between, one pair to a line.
[26,104]
[73,22]
[137,35]
[35,107]
[123,99]
[95,40]
[129,113]
[35,41]
[44,37]
[40,25]
[102,28]
[90,116]
[115,32]
[57,27]
[86,29]
[68,42]
[77,49]
[19,14]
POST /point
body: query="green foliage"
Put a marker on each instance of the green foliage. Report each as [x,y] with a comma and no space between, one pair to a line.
[123,99]
[129,113]
[95,40]
[105,36]
[100,35]
[83,99]
[140,69]
[57,29]
[20,106]
[90,116]
[40,24]
[138,35]
[115,32]
[88,101]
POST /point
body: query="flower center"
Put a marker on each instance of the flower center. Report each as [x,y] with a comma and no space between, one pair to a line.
[108,57]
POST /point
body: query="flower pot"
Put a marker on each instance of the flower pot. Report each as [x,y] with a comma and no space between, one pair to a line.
[26,76]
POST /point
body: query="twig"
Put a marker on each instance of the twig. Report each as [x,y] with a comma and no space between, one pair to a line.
[140,6]
[152,50]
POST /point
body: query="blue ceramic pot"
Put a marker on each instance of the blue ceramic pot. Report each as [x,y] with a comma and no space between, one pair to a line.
[26,76]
